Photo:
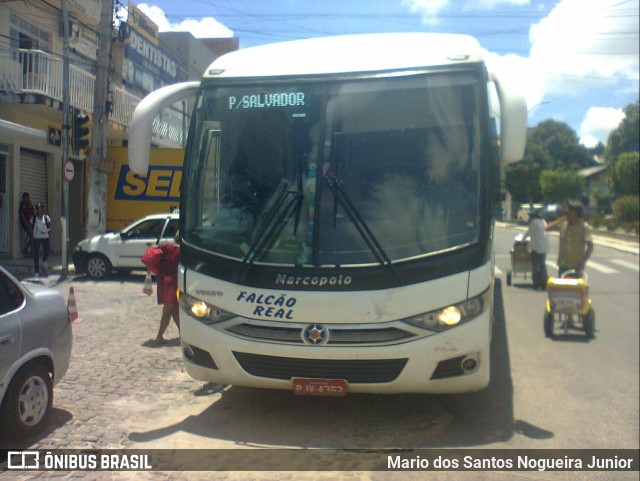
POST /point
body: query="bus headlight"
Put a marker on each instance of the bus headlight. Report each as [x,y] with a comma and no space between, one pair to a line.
[203,311]
[454,315]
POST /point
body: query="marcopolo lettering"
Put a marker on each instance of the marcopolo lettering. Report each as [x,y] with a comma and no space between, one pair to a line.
[263,101]
[269,305]
[319,281]
[162,183]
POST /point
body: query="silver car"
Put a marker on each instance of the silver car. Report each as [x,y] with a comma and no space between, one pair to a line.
[35,348]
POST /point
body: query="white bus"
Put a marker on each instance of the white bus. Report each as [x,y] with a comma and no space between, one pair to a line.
[336,213]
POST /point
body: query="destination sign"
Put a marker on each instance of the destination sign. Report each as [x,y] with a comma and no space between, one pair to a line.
[266,101]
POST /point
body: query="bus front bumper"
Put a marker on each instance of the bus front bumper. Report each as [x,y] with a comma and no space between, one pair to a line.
[454,361]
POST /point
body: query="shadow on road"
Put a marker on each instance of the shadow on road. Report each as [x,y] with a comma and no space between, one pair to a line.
[120,276]
[572,337]
[259,417]
[152,343]
[57,418]
[523,285]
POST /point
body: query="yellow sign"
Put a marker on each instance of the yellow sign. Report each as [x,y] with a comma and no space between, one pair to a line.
[142,24]
[130,197]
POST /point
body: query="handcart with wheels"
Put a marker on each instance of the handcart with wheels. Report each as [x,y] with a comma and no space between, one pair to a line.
[520,258]
[569,305]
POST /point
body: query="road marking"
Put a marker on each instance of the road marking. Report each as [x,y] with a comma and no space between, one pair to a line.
[601,268]
[630,265]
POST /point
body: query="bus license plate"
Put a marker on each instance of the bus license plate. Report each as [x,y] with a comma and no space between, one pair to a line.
[319,387]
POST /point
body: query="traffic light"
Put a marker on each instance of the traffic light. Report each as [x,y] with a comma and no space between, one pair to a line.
[80,132]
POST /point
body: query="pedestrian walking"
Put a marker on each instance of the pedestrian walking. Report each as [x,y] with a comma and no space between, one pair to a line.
[576,243]
[539,244]
[41,230]
[26,212]
[167,286]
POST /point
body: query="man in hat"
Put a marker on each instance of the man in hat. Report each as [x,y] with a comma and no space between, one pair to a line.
[539,244]
[576,244]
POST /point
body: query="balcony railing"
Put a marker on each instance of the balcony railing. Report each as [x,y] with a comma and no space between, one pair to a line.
[36,72]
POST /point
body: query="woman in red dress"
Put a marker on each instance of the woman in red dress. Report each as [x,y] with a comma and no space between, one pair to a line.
[167,286]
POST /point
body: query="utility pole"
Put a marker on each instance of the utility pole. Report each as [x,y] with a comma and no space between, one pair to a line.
[97,197]
[65,138]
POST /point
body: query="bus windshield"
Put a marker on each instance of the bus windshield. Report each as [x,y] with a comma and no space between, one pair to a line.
[342,172]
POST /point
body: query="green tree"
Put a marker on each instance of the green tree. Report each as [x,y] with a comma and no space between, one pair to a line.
[628,173]
[521,180]
[551,145]
[562,145]
[625,138]
[558,186]
[626,210]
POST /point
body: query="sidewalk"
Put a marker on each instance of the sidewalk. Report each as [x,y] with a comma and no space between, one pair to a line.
[23,268]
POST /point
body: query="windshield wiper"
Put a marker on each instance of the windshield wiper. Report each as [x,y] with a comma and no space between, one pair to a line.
[340,197]
[278,210]
[299,197]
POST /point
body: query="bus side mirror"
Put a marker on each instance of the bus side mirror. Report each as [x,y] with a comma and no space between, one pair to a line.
[141,127]
[513,123]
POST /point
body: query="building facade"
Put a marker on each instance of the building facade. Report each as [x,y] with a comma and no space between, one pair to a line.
[31,100]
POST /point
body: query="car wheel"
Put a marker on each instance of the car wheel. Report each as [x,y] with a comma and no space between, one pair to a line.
[98,266]
[28,401]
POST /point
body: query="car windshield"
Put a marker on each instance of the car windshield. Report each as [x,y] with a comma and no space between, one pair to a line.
[147,229]
[335,173]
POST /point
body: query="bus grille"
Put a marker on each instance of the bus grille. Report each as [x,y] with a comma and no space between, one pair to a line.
[345,336]
[353,371]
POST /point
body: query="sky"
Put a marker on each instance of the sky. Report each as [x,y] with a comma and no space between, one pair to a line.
[575,61]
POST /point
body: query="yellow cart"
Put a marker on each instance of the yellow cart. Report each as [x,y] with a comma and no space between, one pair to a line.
[568,299]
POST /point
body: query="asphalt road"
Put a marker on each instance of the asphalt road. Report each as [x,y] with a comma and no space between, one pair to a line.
[122,391]
[576,392]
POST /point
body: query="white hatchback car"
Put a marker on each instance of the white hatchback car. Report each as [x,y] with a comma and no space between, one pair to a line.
[35,348]
[99,255]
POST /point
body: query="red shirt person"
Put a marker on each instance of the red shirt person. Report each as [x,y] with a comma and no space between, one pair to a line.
[167,279]
[167,286]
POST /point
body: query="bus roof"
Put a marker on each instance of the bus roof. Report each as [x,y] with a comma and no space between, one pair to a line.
[347,54]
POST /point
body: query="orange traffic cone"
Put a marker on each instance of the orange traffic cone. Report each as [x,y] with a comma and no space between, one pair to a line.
[148,286]
[71,307]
